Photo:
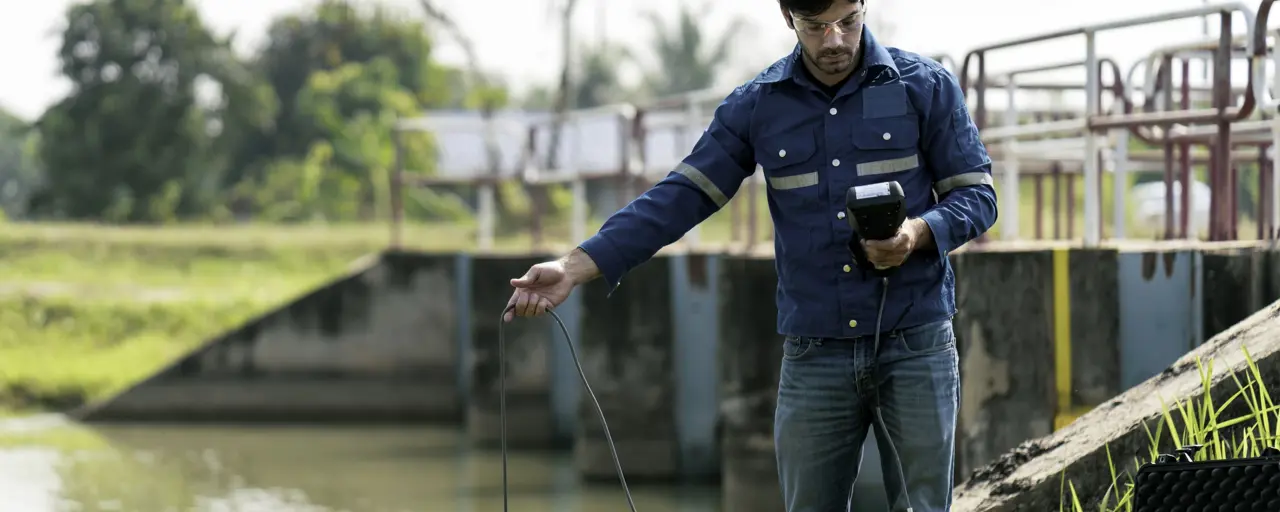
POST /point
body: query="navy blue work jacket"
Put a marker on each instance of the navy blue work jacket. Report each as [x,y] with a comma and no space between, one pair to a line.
[899,117]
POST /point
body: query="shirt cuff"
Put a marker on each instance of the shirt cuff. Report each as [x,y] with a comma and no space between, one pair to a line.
[941,229]
[607,259]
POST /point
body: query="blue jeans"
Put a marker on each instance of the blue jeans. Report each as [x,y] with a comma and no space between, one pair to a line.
[826,398]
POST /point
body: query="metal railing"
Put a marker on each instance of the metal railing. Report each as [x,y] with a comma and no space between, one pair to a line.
[647,140]
[1094,121]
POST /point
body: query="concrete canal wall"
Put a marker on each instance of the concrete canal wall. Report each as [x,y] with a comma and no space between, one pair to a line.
[684,358]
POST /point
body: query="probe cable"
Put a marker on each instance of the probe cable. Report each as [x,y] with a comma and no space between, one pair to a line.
[875,357]
[502,405]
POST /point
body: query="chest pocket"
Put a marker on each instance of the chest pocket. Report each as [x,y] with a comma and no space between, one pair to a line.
[887,146]
[888,137]
[791,164]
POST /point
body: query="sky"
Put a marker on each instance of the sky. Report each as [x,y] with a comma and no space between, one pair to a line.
[518,38]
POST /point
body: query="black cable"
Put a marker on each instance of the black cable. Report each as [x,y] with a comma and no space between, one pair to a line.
[502,405]
[875,358]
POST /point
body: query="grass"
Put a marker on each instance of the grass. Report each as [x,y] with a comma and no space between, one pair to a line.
[1197,422]
[85,311]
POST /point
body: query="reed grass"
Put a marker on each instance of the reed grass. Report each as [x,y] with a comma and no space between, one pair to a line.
[1195,422]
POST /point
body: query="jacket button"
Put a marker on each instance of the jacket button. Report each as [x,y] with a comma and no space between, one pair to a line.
[853,323]
[833,111]
[836,162]
[847,268]
[839,215]
[782,153]
[887,136]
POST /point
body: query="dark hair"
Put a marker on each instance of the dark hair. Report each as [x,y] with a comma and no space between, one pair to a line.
[811,7]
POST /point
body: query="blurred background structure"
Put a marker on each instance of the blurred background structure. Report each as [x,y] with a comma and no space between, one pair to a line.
[239,212]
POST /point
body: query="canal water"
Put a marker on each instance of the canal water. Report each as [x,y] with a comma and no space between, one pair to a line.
[50,465]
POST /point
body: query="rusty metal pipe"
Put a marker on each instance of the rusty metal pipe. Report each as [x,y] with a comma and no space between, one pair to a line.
[1222,160]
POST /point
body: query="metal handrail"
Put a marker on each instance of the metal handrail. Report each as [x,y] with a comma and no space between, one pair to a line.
[1094,119]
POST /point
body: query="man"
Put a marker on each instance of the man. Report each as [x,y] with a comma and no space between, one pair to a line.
[860,352]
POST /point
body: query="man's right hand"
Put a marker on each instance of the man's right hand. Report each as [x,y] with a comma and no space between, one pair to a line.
[547,285]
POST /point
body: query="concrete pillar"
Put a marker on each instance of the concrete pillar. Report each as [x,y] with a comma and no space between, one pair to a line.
[626,351]
[750,359]
[566,385]
[1004,329]
[1039,337]
[1237,283]
[1161,311]
[695,301]
[528,350]
[1094,313]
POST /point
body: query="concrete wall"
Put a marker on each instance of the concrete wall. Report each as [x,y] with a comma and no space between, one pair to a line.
[684,357]
[1039,344]
[381,342]
[530,420]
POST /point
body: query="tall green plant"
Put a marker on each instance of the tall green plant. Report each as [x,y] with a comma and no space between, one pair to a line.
[1197,422]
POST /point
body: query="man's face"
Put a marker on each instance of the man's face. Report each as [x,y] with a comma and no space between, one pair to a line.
[830,40]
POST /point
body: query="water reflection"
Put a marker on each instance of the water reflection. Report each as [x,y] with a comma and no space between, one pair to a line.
[51,466]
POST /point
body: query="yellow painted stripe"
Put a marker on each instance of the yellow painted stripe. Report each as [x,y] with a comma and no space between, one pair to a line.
[1062,335]
[1063,419]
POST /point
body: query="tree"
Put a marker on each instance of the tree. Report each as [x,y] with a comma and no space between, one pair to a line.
[686,59]
[323,39]
[598,82]
[155,98]
[19,174]
[343,75]
[597,79]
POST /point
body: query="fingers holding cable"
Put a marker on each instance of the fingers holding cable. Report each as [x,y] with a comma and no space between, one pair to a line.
[526,303]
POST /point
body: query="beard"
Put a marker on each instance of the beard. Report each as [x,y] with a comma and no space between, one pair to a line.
[832,61]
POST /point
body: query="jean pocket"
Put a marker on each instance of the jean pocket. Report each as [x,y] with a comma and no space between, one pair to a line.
[926,339]
[795,347]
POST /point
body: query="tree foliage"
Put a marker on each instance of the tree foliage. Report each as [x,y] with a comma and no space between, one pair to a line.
[165,122]
[19,173]
[156,98]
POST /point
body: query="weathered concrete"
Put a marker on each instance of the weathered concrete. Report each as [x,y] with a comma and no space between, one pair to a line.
[528,352]
[696,281]
[1005,333]
[1095,326]
[626,351]
[1238,281]
[750,359]
[1029,478]
[379,343]
[1039,337]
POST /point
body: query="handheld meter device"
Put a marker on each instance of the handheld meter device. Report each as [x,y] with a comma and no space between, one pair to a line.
[875,212]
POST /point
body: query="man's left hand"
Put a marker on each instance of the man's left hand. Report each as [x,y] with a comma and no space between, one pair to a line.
[894,251]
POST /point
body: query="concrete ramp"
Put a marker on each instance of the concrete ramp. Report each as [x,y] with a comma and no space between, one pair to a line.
[378,343]
[1028,478]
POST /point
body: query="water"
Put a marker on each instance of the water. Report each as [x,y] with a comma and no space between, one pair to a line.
[50,465]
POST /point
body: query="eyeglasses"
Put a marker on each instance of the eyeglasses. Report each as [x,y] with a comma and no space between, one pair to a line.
[819,28]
